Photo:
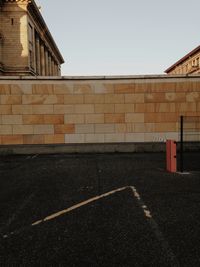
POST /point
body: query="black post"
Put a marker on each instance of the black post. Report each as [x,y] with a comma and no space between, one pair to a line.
[181,145]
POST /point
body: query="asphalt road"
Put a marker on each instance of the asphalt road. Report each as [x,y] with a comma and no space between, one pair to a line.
[126,211]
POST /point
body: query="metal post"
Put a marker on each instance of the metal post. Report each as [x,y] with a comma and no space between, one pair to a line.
[181,145]
[171,155]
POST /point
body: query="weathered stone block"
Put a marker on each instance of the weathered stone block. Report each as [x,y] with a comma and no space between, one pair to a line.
[165,127]
[4,89]
[120,128]
[64,109]
[84,108]
[155,98]
[73,99]
[193,97]
[21,89]
[53,119]
[22,109]
[62,89]
[5,129]
[134,117]
[83,89]
[42,109]
[165,107]
[5,109]
[114,118]
[94,118]
[54,139]
[124,108]
[23,129]
[134,98]
[134,137]
[94,99]
[43,89]
[104,128]
[186,107]
[94,138]
[74,138]
[43,129]
[42,99]
[33,119]
[33,139]
[74,118]
[10,99]
[104,108]
[84,128]
[64,128]
[139,127]
[114,98]
[11,139]
[114,137]
[175,97]
[11,119]
[124,88]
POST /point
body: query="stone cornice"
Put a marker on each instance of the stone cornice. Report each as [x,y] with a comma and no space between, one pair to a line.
[26,1]
[22,2]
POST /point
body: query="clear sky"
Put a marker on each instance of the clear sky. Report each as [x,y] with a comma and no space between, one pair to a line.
[122,37]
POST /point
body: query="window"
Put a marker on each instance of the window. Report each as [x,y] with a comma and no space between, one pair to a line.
[30,33]
[1,47]
[1,39]
[31,49]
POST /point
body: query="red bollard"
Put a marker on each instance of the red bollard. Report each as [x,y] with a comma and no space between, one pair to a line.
[171,155]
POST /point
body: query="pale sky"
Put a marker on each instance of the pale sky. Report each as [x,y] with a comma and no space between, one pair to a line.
[122,37]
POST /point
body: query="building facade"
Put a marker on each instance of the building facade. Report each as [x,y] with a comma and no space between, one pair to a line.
[26,44]
[189,64]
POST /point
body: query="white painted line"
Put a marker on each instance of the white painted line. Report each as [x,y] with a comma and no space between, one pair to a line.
[57,214]
[155,228]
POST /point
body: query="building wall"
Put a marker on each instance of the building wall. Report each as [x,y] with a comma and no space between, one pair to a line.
[43,61]
[25,45]
[14,45]
[95,110]
[189,66]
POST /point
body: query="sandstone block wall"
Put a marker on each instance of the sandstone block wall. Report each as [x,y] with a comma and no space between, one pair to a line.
[64,111]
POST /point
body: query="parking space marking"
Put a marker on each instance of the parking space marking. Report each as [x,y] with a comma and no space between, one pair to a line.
[155,228]
[57,214]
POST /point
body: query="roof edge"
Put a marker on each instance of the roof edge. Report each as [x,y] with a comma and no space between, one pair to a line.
[191,53]
[47,32]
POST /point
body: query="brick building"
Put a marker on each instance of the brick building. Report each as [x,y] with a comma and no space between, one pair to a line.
[26,45]
[189,64]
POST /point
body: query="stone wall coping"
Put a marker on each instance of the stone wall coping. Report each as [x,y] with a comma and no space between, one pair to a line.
[109,77]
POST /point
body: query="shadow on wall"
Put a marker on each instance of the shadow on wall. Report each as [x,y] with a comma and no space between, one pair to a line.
[13,58]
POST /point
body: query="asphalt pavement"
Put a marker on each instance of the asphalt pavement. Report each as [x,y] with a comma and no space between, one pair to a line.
[98,210]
